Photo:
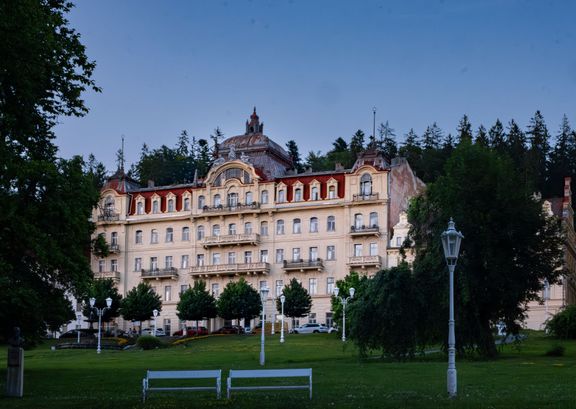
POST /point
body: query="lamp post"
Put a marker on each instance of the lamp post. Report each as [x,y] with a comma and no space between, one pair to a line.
[100,312]
[451,240]
[282,301]
[78,325]
[273,324]
[263,297]
[155,313]
[344,301]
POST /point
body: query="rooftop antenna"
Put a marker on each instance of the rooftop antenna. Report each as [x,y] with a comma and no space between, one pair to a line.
[122,155]
[374,124]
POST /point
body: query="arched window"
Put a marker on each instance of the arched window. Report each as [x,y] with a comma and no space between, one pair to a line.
[154,236]
[155,206]
[281,196]
[249,198]
[332,192]
[170,205]
[247,228]
[314,195]
[169,235]
[296,226]
[280,227]
[217,200]
[185,233]
[264,228]
[358,221]
[264,197]
[140,208]
[331,223]
[216,230]
[313,225]
[186,203]
[109,204]
[232,228]
[201,202]
[200,233]
[297,195]
[373,219]
[232,199]
[366,184]
[138,237]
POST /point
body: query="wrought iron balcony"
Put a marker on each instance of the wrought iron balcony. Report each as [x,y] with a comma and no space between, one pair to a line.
[232,240]
[303,265]
[159,273]
[114,275]
[109,217]
[365,197]
[373,230]
[231,269]
[114,248]
[365,261]
[239,207]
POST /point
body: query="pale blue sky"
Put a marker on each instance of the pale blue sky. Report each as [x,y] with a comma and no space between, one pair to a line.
[314,69]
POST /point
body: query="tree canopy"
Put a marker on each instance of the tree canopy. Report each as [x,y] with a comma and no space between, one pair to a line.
[297,303]
[239,300]
[140,302]
[100,290]
[196,303]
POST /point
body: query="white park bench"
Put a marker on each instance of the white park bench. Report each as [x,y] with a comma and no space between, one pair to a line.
[204,374]
[269,373]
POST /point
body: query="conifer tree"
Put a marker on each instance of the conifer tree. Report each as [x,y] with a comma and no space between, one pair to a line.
[387,142]
[482,137]
[516,149]
[562,158]
[538,152]
[464,130]
[497,137]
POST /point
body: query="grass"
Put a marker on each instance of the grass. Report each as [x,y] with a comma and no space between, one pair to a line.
[521,378]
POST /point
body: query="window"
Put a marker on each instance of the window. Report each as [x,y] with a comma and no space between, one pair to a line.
[264,229]
[232,257]
[154,236]
[140,208]
[215,258]
[358,221]
[247,257]
[296,226]
[279,255]
[398,241]
[373,249]
[264,197]
[138,237]
[109,205]
[114,239]
[184,261]
[114,265]
[184,288]
[232,199]
[249,198]
[201,202]
[332,192]
[331,223]
[295,254]
[281,196]
[297,195]
[137,264]
[313,253]
[313,225]
[263,256]
[312,318]
[247,228]
[373,219]
[314,195]
[101,266]
[279,287]
[215,289]
[312,286]
[263,284]
[168,261]
[155,207]
[153,263]
[280,227]
[330,253]
[217,201]
[169,235]
[167,326]
[232,229]
[167,293]
[216,230]
[200,233]
[357,250]
[329,285]
[170,205]
[186,203]
[185,233]
[199,260]
[366,184]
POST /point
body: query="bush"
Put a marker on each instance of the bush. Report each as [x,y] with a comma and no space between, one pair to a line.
[556,350]
[563,324]
[149,342]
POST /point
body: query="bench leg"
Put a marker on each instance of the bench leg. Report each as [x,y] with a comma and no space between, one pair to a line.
[310,387]
[218,388]
[228,386]
[144,388]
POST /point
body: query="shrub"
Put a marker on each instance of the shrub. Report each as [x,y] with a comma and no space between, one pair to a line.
[149,342]
[563,324]
[555,350]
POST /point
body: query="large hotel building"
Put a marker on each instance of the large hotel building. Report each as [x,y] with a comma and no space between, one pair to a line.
[253,217]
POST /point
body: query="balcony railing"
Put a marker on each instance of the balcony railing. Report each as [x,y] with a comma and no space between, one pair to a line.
[114,275]
[114,248]
[232,240]
[228,269]
[109,217]
[231,209]
[363,198]
[158,273]
[373,230]
[365,261]
[303,265]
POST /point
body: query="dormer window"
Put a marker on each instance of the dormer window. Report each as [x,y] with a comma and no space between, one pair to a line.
[297,195]
[170,205]
[140,207]
[155,207]
[366,185]
[332,192]
[315,193]
[281,196]
[186,204]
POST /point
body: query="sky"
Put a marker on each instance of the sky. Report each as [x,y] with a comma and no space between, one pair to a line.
[315,69]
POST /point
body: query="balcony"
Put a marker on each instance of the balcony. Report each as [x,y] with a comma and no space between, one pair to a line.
[109,217]
[365,198]
[365,261]
[303,265]
[114,248]
[231,240]
[238,208]
[170,272]
[101,275]
[374,230]
[231,269]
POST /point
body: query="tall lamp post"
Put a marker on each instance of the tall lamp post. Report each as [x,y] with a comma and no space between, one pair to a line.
[78,325]
[263,297]
[282,301]
[344,301]
[100,312]
[155,313]
[451,240]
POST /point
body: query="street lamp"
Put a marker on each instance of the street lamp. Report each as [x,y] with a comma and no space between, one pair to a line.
[451,240]
[100,312]
[155,313]
[282,301]
[78,325]
[263,297]
[344,301]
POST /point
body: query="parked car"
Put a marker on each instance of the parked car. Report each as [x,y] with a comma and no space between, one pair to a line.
[200,330]
[149,331]
[310,329]
[189,332]
[230,329]
[333,329]
[84,333]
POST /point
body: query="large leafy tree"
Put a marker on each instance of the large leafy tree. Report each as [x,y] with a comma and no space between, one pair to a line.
[45,202]
[140,302]
[508,250]
[298,302]
[352,280]
[100,290]
[196,303]
[239,300]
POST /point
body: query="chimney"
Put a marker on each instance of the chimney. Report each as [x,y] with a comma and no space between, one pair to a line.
[338,166]
[150,183]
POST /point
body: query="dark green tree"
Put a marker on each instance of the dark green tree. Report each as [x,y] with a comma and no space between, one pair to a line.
[497,137]
[203,158]
[562,158]
[239,300]
[139,303]
[387,142]
[196,303]
[216,137]
[482,137]
[538,152]
[464,130]
[295,156]
[317,162]
[100,290]
[412,151]
[356,144]
[516,149]
[96,171]
[182,149]
[298,302]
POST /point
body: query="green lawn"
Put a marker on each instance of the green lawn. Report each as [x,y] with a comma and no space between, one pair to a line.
[521,378]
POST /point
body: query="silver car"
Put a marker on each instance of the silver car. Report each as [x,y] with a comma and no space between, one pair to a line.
[310,329]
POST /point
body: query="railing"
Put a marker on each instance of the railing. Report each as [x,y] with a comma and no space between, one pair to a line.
[302,265]
[236,208]
[364,230]
[362,197]
[114,248]
[114,275]
[261,267]
[232,239]
[169,272]
[365,261]
[109,217]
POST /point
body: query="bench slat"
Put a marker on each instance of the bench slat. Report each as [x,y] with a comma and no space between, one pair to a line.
[183,388]
[184,374]
[269,373]
[255,388]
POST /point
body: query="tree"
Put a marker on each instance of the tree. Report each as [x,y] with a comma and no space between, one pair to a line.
[412,150]
[562,158]
[387,143]
[482,137]
[203,159]
[497,137]
[516,149]
[139,303]
[298,302]
[508,250]
[182,145]
[352,280]
[464,130]
[96,171]
[356,144]
[196,303]
[239,300]
[46,202]
[538,151]
[100,290]
[295,156]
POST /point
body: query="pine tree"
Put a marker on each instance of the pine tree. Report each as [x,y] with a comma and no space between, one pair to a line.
[497,137]
[538,152]
[482,137]
[182,145]
[295,156]
[412,151]
[562,158]
[516,148]
[464,130]
[387,142]
[356,144]
[432,137]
